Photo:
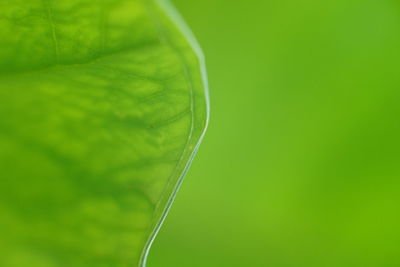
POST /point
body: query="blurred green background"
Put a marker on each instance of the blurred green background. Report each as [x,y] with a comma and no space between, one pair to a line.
[301,163]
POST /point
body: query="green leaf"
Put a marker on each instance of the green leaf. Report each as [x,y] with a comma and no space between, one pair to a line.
[103,104]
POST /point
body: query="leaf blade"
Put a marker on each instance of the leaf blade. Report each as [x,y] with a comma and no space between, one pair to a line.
[107,108]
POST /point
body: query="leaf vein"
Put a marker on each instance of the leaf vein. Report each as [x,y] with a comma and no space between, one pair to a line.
[50,18]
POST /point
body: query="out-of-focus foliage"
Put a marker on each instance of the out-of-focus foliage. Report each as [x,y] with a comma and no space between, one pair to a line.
[300,167]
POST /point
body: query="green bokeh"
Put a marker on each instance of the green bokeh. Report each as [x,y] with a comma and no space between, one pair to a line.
[300,166]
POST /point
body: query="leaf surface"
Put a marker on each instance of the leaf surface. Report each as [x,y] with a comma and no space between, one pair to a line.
[102,106]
